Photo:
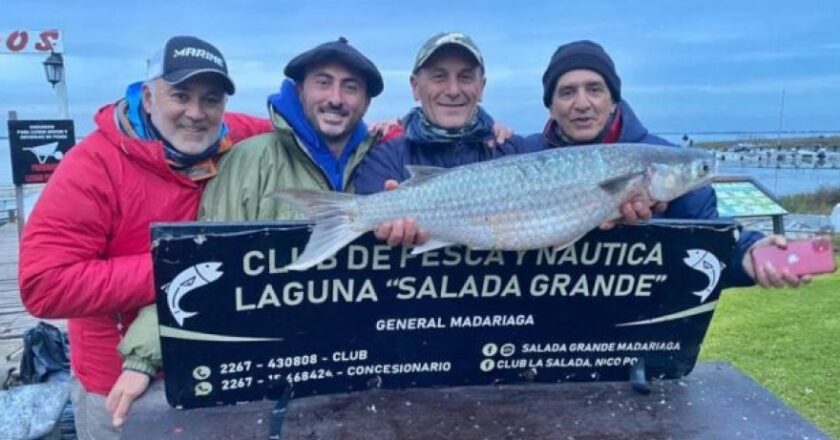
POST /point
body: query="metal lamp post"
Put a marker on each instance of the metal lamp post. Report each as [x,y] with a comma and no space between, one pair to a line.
[54,70]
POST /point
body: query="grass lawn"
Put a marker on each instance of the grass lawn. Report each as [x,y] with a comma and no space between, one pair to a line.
[789,341]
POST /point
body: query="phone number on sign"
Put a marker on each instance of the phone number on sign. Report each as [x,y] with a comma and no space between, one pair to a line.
[303,376]
[293,361]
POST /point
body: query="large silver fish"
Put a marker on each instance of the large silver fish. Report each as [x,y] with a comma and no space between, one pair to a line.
[529,201]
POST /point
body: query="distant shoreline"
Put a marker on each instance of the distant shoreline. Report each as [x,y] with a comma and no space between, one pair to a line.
[785,143]
[830,142]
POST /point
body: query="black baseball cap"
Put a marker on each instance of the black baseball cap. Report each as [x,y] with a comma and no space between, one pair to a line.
[183,57]
[342,52]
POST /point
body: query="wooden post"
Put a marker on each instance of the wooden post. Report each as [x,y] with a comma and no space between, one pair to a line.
[19,217]
[778,224]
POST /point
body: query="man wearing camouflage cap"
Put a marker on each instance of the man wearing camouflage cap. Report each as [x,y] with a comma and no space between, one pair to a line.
[448,129]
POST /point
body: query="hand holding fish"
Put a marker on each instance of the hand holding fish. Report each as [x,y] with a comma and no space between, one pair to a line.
[768,276]
[635,210]
[402,231]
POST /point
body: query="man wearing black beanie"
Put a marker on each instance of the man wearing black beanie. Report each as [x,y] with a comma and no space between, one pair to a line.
[582,92]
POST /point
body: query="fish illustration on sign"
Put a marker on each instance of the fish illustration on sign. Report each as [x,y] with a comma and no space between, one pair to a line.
[705,262]
[528,201]
[188,280]
[46,151]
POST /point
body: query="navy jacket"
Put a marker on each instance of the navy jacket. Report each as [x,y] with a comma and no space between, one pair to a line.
[388,159]
[698,204]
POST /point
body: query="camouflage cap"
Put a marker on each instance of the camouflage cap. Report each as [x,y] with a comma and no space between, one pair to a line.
[443,39]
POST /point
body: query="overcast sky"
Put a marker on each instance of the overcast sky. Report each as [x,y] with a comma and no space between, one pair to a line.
[683,70]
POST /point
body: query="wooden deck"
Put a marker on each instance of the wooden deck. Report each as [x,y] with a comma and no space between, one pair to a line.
[14,320]
[716,401]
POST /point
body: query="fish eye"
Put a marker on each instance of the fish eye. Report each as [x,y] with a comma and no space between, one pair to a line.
[704,168]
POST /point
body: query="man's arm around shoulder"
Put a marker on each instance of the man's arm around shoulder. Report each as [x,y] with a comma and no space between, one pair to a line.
[383,162]
[235,193]
[244,126]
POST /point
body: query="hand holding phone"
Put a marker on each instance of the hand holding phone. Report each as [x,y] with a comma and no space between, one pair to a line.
[813,256]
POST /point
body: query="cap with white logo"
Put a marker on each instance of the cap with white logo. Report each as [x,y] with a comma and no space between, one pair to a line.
[183,57]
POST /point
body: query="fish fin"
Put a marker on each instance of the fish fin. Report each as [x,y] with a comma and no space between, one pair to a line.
[421,173]
[333,225]
[316,204]
[430,245]
[189,281]
[615,184]
[328,237]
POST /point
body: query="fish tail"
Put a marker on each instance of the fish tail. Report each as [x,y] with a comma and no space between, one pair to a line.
[181,315]
[334,226]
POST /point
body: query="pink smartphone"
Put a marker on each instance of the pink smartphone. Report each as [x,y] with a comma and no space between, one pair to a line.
[802,257]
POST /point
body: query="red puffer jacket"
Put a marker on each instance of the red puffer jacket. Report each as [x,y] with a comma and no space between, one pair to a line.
[85,253]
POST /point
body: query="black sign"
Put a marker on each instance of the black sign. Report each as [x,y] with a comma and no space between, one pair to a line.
[236,327]
[37,147]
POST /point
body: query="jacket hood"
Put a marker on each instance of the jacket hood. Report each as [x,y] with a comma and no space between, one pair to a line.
[287,105]
[147,153]
[632,129]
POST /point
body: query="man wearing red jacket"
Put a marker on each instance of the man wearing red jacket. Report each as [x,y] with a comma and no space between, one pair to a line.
[85,253]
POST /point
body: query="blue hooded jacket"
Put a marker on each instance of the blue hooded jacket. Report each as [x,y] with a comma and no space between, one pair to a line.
[698,204]
[287,104]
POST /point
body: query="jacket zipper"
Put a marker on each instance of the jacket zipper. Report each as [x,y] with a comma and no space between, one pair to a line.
[318,166]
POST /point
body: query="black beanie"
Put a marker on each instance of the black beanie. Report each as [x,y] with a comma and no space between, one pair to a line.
[582,54]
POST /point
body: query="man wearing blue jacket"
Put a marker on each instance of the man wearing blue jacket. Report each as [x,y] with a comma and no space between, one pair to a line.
[582,92]
[448,129]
